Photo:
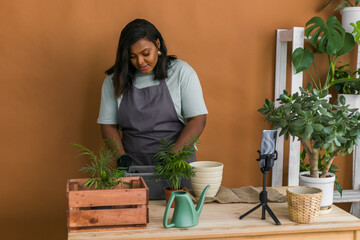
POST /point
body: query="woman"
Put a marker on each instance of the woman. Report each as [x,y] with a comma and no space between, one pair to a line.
[148,95]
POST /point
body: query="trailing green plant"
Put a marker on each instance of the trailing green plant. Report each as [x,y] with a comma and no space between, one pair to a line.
[328,38]
[345,3]
[318,124]
[342,72]
[356,31]
[102,167]
[173,167]
[304,166]
[352,87]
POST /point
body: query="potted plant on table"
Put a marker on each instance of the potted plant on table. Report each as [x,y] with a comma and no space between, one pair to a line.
[172,166]
[324,129]
[102,169]
[106,200]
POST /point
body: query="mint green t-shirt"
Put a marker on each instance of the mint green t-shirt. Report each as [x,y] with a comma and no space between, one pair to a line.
[182,82]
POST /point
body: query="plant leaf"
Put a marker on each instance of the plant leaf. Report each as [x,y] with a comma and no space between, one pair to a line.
[331,34]
[302,59]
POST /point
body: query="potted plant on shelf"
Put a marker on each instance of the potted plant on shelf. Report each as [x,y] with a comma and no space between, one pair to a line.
[350,90]
[172,166]
[350,12]
[322,128]
[106,200]
[334,42]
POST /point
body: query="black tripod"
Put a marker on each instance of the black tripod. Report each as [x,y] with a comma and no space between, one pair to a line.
[266,161]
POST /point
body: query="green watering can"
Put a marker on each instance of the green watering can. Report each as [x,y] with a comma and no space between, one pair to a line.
[185,215]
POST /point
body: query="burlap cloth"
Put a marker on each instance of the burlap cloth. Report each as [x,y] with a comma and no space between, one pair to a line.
[247,194]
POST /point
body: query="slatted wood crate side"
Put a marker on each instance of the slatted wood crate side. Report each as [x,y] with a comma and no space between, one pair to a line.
[115,197]
[122,195]
[110,217]
[129,206]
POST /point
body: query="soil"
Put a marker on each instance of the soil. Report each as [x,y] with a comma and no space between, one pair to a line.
[308,175]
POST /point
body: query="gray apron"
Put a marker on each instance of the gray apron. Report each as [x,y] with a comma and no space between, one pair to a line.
[145,116]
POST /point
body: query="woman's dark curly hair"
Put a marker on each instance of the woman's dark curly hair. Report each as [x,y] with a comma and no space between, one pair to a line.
[124,71]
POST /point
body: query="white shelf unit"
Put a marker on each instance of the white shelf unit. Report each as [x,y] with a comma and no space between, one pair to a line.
[296,37]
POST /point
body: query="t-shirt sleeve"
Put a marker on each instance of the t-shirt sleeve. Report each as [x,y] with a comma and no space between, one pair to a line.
[192,100]
[108,105]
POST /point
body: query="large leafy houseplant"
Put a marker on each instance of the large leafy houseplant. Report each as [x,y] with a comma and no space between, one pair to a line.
[324,129]
[171,166]
[321,127]
[102,168]
[328,38]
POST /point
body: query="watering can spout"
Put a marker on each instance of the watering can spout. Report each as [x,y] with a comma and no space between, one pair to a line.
[200,204]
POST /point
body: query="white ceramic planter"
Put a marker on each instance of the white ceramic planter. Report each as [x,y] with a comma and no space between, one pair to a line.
[207,173]
[325,184]
[349,15]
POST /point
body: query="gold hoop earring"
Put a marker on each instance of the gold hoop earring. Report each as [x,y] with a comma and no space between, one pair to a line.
[159,53]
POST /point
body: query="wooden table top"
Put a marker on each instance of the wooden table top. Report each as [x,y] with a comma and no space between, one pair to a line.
[222,220]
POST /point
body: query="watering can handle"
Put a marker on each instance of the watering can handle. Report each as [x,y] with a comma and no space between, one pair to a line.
[166,214]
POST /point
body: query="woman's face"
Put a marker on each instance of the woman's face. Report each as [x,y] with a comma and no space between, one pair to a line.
[144,55]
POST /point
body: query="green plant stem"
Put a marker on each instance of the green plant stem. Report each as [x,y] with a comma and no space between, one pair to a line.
[317,76]
[314,160]
[331,73]
[349,3]
[328,164]
[342,80]
[305,146]
[316,86]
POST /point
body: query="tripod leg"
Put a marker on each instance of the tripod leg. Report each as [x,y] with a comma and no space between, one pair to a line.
[272,215]
[251,210]
[263,212]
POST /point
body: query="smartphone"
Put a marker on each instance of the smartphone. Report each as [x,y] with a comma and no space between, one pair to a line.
[268,142]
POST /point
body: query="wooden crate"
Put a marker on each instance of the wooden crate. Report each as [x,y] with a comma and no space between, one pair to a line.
[126,206]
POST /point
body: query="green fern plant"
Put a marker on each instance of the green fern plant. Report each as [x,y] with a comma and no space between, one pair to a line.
[102,167]
[173,167]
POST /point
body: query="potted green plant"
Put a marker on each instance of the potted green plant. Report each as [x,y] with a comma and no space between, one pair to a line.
[93,202]
[350,90]
[334,42]
[172,166]
[102,168]
[321,127]
[349,10]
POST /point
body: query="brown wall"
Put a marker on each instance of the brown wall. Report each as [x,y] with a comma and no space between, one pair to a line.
[52,58]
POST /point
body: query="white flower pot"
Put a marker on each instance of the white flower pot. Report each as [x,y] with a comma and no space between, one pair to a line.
[207,173]
[349,15]
[325,184]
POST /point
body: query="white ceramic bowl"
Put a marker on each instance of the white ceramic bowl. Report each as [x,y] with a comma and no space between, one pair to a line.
[207,166]
[199,180]
[203,185]
[207,173]
[200,174]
